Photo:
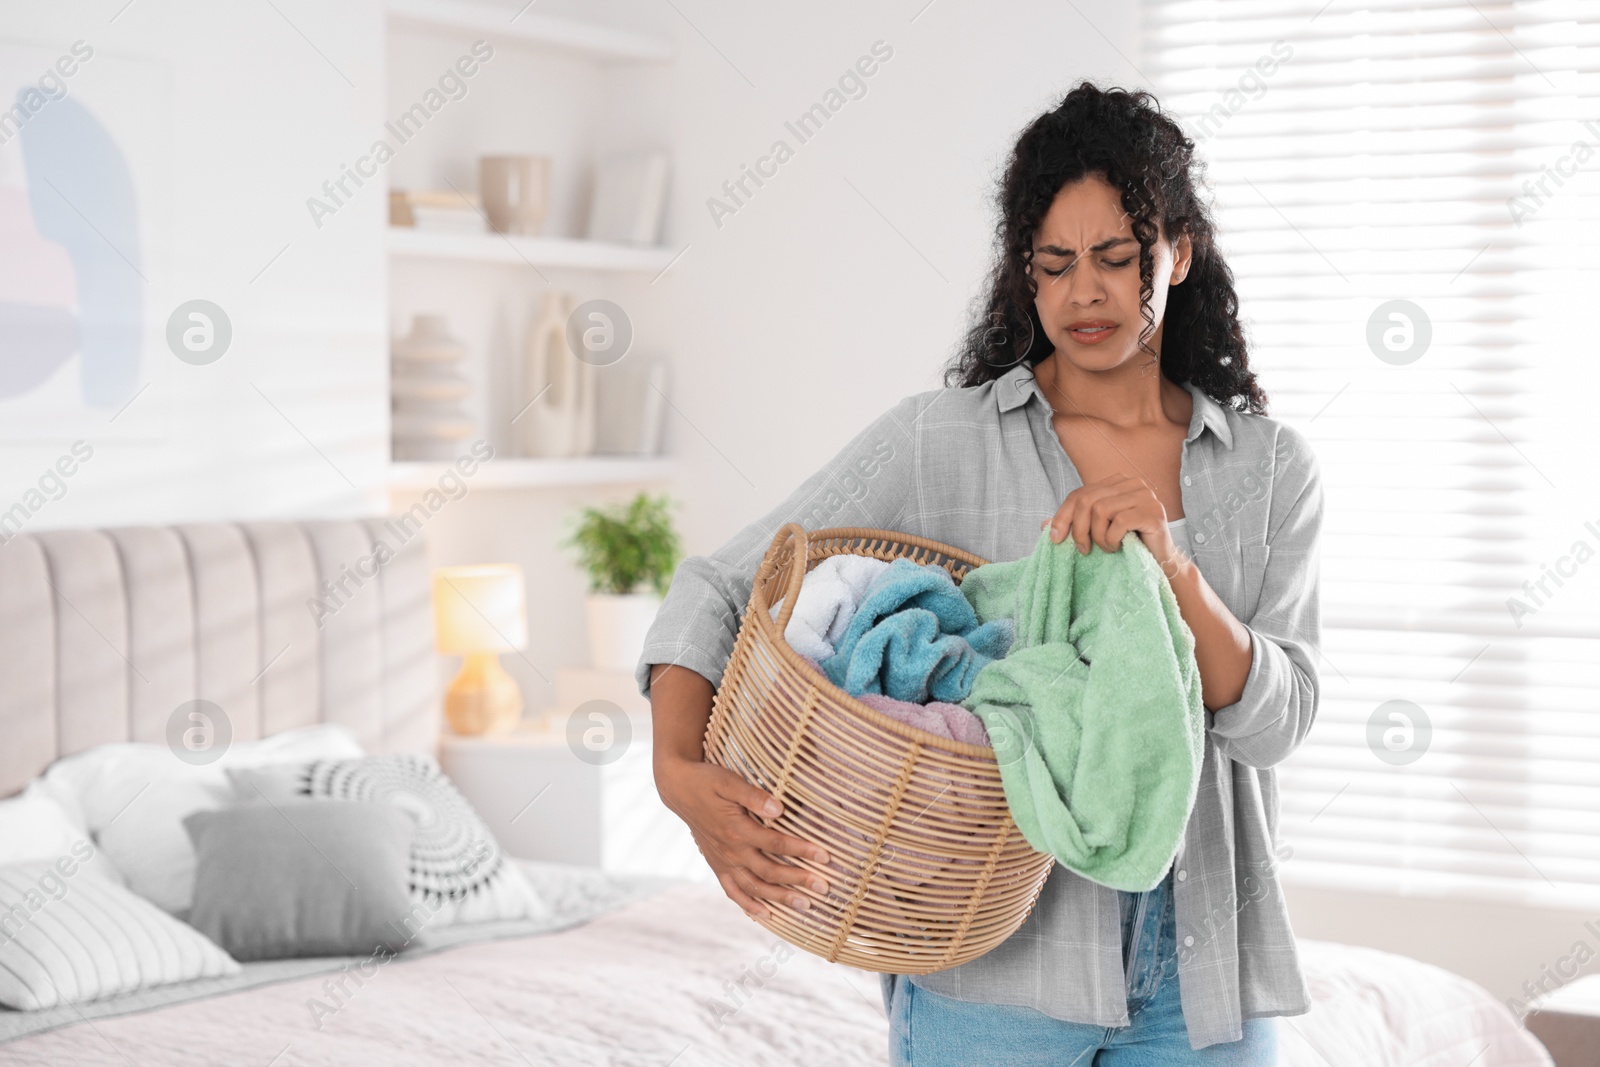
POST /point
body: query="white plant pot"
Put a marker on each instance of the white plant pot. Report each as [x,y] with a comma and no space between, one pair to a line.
[617,627]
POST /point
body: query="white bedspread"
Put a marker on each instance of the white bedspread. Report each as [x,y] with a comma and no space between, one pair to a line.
[1379,1009]
[684,979]
[637,986]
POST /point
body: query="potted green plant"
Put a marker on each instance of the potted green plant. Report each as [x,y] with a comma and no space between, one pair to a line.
[629,553]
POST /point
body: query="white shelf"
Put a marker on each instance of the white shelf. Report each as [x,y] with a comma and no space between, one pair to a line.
[537,473]
[585,38]
[410,243]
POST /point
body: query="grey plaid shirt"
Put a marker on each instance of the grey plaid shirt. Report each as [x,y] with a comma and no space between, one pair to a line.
[981,468]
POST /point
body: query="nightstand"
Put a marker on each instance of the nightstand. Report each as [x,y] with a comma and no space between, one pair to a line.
[1568,1023]
[592,801]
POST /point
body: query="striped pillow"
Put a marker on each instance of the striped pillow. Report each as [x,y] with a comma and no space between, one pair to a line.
[68,936]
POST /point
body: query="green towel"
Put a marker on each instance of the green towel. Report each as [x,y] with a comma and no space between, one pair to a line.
[1095,713]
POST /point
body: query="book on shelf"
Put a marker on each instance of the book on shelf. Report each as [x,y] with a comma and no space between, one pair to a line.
[429,209]
[630,193]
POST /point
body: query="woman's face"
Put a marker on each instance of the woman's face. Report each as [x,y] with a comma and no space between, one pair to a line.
[1086,267]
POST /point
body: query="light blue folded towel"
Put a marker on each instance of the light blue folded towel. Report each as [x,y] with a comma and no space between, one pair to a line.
[914,637]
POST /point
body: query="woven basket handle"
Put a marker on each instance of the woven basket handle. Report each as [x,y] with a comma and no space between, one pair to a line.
[790,531]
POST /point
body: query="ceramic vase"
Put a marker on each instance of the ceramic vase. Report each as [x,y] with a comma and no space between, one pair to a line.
[516,192]
[429,421]
[557,405]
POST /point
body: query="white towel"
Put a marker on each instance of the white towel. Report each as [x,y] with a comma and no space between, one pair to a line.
[829,595]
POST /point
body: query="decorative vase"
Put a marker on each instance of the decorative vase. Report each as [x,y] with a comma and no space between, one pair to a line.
[558,414]
[428,391]
[617,627]
[516,192]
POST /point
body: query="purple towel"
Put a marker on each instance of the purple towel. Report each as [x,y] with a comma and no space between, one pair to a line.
[936,717]
[950,721]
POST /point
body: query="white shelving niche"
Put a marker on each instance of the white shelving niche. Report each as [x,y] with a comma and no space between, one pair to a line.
[549,88]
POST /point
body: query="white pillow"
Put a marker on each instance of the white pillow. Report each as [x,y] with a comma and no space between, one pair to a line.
[133,797]
[34,827]
[68,936]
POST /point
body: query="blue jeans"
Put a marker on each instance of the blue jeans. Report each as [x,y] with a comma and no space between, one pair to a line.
[930,1030]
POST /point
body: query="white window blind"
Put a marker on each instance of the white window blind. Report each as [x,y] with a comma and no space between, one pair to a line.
[1369,151]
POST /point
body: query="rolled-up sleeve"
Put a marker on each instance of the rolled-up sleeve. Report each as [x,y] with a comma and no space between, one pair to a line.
[870,482]
[1279,703]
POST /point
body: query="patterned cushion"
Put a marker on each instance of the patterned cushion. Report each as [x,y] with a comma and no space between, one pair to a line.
[69,936]
[458,873]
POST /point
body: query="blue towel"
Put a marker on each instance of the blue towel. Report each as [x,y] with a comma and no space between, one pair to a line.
[914,637]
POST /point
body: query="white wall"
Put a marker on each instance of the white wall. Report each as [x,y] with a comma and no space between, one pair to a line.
[244,121]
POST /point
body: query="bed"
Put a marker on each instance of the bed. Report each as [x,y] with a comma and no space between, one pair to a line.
[104,632]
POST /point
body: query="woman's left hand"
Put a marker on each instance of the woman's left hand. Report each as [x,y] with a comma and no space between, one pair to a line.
[1103,512]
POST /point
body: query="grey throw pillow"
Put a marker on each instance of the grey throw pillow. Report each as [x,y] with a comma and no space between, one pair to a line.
[303,878]
[458,872]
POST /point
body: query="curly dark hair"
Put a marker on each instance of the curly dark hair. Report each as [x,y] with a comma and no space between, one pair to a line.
[1123,137]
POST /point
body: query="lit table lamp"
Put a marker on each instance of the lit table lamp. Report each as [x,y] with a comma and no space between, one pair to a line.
[478,613]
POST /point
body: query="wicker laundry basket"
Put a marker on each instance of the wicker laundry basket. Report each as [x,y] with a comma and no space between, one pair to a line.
[927,869]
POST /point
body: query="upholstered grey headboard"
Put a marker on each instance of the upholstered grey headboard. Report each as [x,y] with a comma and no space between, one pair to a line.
[104,633]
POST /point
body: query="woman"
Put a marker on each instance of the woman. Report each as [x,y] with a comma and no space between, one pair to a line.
[1106,388]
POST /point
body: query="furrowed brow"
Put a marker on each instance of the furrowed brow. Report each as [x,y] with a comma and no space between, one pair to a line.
[1057,250]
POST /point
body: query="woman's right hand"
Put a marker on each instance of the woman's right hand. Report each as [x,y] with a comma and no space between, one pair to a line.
[721,810]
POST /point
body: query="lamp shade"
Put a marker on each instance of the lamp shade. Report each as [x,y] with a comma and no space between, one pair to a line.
[479,609]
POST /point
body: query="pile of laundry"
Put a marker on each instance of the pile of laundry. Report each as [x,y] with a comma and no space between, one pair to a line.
[1076,668]
[900,637]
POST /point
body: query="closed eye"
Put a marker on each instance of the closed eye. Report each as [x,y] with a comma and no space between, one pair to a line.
[1115,264]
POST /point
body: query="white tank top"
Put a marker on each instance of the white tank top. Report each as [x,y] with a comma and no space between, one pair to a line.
[1179,529]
